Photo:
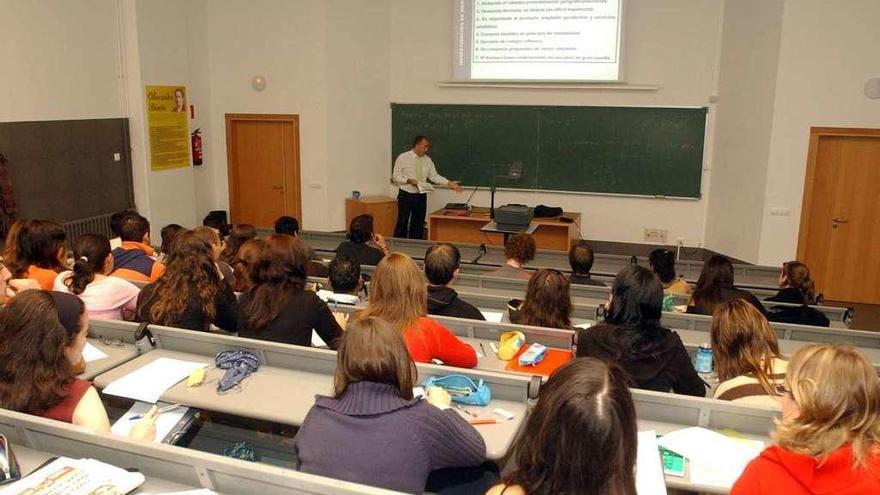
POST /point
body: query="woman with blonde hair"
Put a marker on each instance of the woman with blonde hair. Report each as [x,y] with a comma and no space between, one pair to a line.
[828,440]
[747,358]
[399,295]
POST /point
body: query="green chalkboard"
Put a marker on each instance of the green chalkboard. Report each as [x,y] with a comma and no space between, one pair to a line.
[618,150]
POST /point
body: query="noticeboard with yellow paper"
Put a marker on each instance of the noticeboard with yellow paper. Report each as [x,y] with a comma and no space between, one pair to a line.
[169,129]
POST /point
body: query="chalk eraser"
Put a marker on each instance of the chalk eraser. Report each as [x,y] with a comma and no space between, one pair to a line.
[504,413]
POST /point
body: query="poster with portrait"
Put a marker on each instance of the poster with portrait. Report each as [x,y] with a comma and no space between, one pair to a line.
[168,126]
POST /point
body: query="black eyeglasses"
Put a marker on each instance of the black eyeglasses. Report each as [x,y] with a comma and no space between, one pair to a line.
[9,470]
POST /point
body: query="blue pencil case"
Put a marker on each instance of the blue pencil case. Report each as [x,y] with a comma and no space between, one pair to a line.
[462,389]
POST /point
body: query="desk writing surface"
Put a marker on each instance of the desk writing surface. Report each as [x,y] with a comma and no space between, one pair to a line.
[116,355]
[30,459]
[285,396]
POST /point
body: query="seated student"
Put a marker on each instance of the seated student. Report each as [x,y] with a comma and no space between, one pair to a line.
[372,430]
[245,261]
[398,295]
[42,336]
[746,355]
[519,250]
[40,252]
[191,294]
[345,282]
[10,285]
[795,284]
[442,263]
[277,307]
[211,236]
[580,258]
[287,225]
[662,262]
[105,297]
[239,234]
[548,301]
[715,286]
[116,226]
[632,337]
[356,247]
[217,221]
[134,260]
[828,440]
[169,233]
[585,410]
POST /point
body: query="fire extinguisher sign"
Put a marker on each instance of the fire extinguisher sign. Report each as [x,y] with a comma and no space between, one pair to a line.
[169,130]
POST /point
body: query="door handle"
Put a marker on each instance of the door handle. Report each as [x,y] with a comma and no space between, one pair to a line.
[278,188]
[837,221]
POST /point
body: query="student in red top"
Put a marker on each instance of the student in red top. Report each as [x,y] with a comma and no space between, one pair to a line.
[134,260]
[828,440]
[42,336]
[35,249]
[398,295]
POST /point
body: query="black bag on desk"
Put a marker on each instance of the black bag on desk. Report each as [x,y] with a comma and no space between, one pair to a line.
[542,211]
[800,315]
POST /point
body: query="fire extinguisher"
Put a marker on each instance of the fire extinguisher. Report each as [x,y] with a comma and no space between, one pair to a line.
[197,146]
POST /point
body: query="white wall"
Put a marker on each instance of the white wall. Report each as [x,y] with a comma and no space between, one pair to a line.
[828,51]
[59,60]
[673,44]
[744,117]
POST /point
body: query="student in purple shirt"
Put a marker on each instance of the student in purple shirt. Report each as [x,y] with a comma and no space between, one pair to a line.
[372,430]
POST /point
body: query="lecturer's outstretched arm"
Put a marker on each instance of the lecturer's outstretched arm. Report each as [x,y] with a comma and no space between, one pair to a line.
[436,178]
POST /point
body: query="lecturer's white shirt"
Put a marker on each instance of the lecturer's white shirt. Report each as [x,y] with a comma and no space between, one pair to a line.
[405,169]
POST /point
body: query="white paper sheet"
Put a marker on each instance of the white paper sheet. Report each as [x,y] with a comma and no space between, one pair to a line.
[492,316]
[164,423]
[92,353]
[584,326]
[425,187]
[75,477]
[317,341]
[715,459]
[649,467]
[149,382]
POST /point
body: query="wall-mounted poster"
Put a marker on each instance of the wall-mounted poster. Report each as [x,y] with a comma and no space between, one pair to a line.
[169,129]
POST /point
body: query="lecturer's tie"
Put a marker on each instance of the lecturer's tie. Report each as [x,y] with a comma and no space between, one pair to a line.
[419,172]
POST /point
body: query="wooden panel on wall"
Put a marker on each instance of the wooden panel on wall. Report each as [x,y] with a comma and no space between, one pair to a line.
[65,170]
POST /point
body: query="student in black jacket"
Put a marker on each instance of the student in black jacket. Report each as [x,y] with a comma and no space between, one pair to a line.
[580,258]
[442,266]
[192,293]
[795,285]
[277,307]
[715,286]
[632,337]
[357,247]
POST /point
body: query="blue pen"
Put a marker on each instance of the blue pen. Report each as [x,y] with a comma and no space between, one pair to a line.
[161,410]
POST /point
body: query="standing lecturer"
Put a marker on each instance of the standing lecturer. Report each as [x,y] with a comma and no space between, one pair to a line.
[412,169]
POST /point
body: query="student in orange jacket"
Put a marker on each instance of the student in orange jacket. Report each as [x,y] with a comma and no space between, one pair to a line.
[828,441]
[134,259]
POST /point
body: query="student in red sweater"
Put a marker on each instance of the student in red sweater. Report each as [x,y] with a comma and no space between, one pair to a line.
[398,295]
[828,441]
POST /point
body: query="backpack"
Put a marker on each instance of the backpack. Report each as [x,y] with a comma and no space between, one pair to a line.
[799,315]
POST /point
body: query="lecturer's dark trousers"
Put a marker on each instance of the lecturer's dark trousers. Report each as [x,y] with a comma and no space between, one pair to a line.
[410,215]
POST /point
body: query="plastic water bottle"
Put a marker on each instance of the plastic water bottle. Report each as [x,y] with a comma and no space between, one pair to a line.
[704,359]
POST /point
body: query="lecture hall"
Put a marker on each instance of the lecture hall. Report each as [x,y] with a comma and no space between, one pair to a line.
[488,247]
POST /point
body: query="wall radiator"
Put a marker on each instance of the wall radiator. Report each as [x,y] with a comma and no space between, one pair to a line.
[92,225]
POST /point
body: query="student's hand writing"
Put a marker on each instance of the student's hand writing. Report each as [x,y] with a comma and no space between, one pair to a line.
[145,428]
[438,397]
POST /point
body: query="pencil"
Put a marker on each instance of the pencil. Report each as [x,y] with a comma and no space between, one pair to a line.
[485,421]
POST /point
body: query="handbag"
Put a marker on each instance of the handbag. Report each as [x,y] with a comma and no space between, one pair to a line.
[462,389]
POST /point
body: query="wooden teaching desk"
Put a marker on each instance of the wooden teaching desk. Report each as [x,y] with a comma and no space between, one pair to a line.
[550,234]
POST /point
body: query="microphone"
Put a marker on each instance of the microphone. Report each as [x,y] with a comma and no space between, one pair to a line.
[483,251]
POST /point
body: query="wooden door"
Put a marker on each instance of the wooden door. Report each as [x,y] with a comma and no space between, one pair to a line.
[840,218]
[263,165]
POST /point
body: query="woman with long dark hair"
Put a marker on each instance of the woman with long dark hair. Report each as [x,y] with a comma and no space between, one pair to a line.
[715,286]
[548,300]
[586,411]
[278,307]
[191,293]
[40,253]
[632,337]
[240,234]
[42,336]
[245,261]
[795,284]
[104,296]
